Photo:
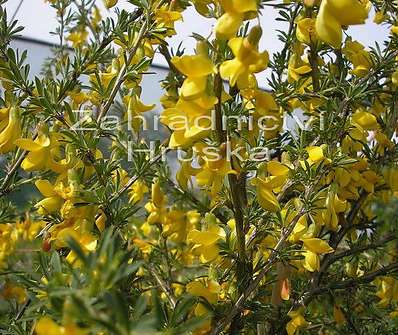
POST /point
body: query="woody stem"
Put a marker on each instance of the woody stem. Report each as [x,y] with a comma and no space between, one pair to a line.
[243,267]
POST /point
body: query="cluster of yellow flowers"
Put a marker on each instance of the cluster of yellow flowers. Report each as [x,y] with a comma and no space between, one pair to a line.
[305,194]
[13,234]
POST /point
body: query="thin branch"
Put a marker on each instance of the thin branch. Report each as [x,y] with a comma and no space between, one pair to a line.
[165,288]
[345,284]
[122,73]
[16,10]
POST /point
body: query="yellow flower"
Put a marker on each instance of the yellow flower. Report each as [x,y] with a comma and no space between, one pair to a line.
[10,130]
[360,59]
[333,14]
[166,19]
[101,221]
[110,3]
[177,225]
[299,230]
[266,110]
[11,291]
[394,30]
[190,120]
[208,289]
[394,78]
[265,187]
[157,195]
[46,326]
[388,290]
[96,17]
[313,247]
[248,60]
[391,177]
[365,120]
[135,107]
[296,323]
[157,207]
[87,242]
[104,78]
[315,155]
[205,243]
[298,67]
[236,11]
[380,17]
[334,206]
[137,191]
[185,173]
[214,167]
[42,153]
[77,37]
[196,68]
[305,31]
[52,202]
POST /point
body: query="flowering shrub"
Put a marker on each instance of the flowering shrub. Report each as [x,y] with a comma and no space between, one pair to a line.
[262,229]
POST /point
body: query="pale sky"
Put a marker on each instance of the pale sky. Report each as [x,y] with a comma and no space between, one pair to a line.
[39,19]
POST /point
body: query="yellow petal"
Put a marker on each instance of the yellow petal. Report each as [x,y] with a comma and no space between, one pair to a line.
[46,326]
[228,25]
[194,66]
[202,237]
[364,119]
[328,27]
[277,169]
[28,144]
[45,187]
[267,199]
[317,245]
[315,154]
[311,261]
[193,88]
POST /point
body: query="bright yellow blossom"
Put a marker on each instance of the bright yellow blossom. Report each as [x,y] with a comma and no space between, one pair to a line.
[296,322]
[235,12]
[78,38]
[305,31]
[358,56]
[166,18]
[313,247]
[196,68]
[248,60]
[10,129]
[43,153]
[334,14]
[46,326]
[205,243]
